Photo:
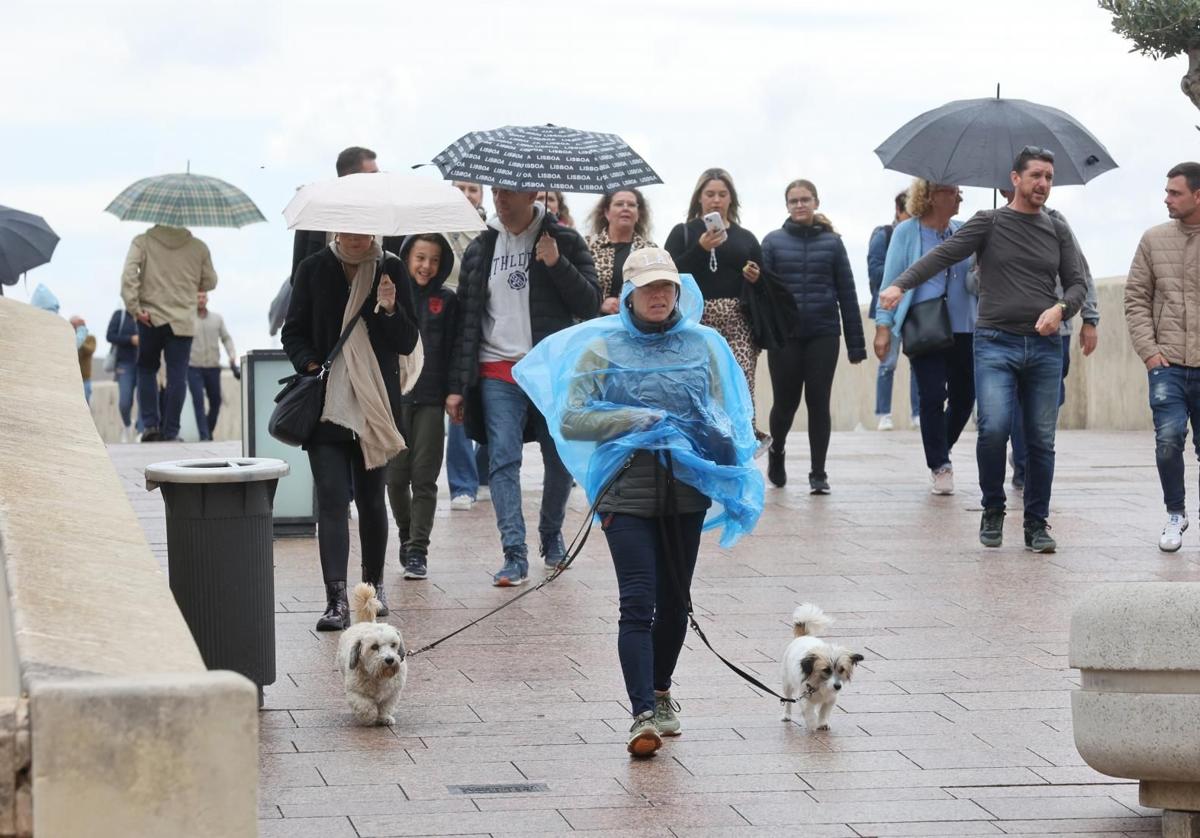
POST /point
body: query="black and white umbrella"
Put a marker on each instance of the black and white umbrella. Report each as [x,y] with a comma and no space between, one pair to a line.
[545,157]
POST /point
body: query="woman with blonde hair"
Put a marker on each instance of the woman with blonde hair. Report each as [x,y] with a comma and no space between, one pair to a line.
[620,224]
[810,259]
[945,377]
[721,261]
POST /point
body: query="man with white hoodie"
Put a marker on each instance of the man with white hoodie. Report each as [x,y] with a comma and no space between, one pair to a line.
[522,279]
[165,270]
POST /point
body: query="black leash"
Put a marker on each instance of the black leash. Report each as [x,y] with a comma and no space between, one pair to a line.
[674,557]
[573,551]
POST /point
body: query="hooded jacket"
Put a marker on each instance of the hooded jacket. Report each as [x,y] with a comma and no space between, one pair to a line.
[558,296]
[164,271]
[620,396]
[314,323]
[437,316]
[811,261]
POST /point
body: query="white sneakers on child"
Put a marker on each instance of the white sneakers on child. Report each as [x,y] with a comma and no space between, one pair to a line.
[885,422]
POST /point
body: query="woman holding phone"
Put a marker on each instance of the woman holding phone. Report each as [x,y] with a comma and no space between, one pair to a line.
[721,256]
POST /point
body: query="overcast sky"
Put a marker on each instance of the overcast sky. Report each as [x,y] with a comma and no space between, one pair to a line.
[264,95]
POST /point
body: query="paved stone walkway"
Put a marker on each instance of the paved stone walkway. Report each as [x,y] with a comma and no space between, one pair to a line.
[957,724]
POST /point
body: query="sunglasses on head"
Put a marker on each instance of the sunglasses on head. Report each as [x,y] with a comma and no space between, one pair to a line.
[1038,151]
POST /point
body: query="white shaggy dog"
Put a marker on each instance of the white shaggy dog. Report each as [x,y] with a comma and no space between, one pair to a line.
[813,670]
[371,659]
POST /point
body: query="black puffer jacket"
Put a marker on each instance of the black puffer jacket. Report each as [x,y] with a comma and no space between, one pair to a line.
[437,315]
[811,261]
[314,324]
[558,296]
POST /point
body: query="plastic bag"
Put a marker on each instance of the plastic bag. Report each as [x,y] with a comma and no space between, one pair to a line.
[608,389]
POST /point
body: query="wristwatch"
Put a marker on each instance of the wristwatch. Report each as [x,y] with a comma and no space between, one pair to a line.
[1063,305]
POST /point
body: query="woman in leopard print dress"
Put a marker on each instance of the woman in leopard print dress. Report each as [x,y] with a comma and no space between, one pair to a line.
[720,263]
[620,224]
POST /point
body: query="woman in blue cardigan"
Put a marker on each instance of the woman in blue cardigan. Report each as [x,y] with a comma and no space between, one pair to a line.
[945,379]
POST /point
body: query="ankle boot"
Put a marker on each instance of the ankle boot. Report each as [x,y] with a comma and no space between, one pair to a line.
[337,608]
[380,594]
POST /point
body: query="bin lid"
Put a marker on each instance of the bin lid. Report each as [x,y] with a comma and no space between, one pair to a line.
[215,470]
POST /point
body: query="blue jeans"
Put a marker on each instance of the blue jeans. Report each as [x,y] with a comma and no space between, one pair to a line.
[126,386]
[947,383]
[1018,433]
[201,381]
[466,462]
[1009,367]
[505,409]
[653,621]
[883,382]
[156,344]
[1174,399]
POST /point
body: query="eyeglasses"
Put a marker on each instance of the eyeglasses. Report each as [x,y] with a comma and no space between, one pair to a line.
[1038,151]
[950,189]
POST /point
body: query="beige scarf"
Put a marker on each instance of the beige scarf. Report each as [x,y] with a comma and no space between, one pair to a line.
[355,395]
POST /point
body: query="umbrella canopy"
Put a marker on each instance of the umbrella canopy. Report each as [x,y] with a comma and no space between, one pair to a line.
[26,241]
[381,204]
[973,142]
[546,157]
[185,200]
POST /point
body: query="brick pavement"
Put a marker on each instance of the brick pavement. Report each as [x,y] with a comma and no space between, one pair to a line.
[958,722]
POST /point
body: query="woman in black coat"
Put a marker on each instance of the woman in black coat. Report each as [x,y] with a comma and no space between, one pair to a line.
[810,259]
[344,453]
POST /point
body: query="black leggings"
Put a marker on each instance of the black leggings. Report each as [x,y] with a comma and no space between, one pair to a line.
[804,366]
[334,466]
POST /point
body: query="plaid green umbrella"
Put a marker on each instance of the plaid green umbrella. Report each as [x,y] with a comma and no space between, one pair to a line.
[185,200]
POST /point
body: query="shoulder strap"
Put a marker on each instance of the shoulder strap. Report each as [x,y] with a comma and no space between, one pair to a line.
[337,347]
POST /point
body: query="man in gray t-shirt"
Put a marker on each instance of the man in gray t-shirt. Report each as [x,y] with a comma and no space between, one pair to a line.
[1022,253]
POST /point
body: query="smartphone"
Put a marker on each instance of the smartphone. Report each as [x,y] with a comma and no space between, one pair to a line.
[713,222]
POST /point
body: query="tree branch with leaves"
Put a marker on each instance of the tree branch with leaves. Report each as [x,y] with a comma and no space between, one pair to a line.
[1162,29]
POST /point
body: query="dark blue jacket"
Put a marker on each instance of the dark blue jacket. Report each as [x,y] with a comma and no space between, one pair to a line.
[877,249]
[812,262]
[437,318]
[120,334]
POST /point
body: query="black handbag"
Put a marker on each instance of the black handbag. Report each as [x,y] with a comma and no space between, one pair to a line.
[299,405]
[926,328]
[770,310]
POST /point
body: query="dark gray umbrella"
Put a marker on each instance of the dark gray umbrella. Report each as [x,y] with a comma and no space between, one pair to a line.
[973,142]
[26,241]
[545,157]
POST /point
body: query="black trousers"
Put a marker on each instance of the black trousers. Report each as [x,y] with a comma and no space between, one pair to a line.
[804,366]
[338,467]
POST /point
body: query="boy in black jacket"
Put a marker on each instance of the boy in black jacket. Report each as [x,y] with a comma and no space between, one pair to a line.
[413,474]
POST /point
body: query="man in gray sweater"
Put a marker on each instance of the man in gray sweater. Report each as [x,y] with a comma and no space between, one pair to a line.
[1022,251]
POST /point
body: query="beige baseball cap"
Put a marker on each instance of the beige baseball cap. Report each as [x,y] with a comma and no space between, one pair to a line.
[650,264]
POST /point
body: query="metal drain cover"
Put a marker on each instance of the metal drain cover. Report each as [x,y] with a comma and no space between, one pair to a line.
[499,788]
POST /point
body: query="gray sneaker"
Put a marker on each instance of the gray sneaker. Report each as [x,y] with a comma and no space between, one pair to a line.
[644,738]
[665,719]
[554,553]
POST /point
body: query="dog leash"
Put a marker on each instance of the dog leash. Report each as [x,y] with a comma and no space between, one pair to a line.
[573,551]
[675,551]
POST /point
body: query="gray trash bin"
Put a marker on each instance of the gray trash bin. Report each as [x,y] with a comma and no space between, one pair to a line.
[220,557]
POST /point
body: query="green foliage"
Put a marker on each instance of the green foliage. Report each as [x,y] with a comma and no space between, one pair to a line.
[1158,28]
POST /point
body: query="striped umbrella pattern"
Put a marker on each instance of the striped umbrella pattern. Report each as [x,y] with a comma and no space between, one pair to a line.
[185,200]
[550,157]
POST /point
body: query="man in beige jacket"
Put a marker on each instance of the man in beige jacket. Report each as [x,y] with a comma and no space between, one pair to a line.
[165,269]
[1162,298]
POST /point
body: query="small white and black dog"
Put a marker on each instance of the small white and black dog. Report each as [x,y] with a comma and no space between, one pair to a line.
[371,659]
[813,670]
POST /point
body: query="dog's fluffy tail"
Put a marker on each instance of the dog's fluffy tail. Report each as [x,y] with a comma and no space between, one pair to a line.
[809,620]
[363,604]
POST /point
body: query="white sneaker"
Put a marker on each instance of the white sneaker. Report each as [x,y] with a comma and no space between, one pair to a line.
[1172,534]
[943,481]
[885,422]
[126,434]
[483,493]
[917,422]
[462,502]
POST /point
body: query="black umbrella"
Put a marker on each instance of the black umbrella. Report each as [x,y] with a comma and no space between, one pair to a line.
[545,157]
[26,241]
[973,142]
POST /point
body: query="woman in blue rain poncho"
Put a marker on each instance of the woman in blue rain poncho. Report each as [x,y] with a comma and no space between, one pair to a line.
[651,413]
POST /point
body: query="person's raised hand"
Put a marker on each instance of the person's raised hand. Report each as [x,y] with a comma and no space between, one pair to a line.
[611,305]
[546,251]
[386,295]
[710,239]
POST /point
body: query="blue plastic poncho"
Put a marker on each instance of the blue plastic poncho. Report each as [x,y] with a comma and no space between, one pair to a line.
[609,389]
